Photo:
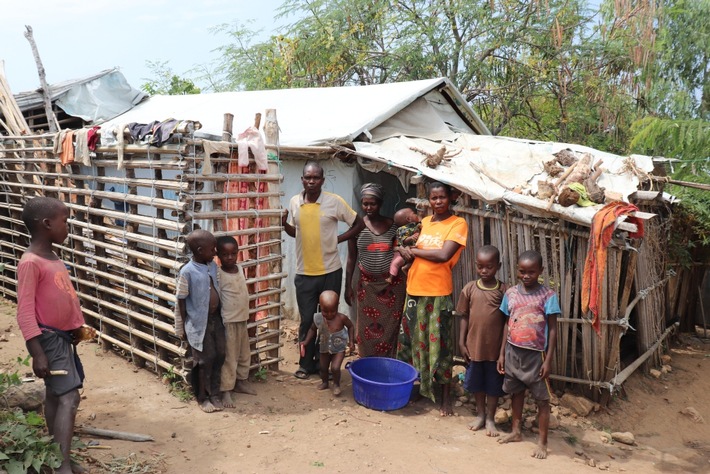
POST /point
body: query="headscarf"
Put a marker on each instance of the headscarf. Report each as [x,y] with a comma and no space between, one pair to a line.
[372,189]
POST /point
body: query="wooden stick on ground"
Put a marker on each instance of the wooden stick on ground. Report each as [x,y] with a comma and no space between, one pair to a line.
[126,436]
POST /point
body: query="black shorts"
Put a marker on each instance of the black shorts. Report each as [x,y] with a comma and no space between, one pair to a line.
[483,376]
[60,356]
[522,370]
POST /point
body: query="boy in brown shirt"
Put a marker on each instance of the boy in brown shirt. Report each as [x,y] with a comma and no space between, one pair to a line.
[481,336]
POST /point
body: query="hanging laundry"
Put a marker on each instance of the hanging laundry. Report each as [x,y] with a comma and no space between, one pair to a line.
[58,140]
[141,131]
[120,144]
[81,146]
[251,139]
[213,148]
[92,137]
[603,225]
[163,131]
[67,153]
[108,135]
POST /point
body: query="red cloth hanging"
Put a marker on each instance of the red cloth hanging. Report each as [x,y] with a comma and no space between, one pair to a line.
[603,225]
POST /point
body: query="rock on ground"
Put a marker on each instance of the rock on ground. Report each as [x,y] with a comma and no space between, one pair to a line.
[28,396]
[579,405]
[693,414]
[623,437]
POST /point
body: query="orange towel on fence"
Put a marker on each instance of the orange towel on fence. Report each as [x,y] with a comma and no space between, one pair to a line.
[603,225]
[67,154]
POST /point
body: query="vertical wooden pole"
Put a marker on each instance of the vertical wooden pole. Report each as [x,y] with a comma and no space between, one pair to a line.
[271,138]
[44,87]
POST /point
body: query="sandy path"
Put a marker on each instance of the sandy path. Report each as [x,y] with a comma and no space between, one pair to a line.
[292,427]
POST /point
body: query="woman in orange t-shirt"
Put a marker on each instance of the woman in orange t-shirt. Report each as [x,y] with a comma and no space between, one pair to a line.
[426,340]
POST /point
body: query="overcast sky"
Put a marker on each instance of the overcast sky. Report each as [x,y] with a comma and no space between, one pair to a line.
[77,38]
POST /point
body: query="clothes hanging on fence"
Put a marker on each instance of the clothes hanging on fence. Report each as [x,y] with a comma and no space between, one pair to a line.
[210,147]
[120,144]
[139,131]
[58,140]
[251,139]
[603,225]
[67,153]
[163,131]
[92,137]
[154,133]
[82,150]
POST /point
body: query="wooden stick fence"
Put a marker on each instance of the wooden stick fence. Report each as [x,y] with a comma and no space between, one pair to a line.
[128,228]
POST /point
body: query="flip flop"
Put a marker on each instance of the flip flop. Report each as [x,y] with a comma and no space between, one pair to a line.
[301,374]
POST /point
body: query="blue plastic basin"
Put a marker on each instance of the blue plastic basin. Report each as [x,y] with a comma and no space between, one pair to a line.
[381,383]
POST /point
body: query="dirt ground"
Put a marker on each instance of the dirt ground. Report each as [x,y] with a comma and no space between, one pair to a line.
[292,427]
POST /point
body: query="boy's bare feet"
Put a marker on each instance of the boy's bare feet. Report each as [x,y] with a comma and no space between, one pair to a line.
[216,403]
[491,429]
[540,452]
[242,386]
[477,423]
[207,406]
[336,390]
[227,401]
[323,386]
[513,437]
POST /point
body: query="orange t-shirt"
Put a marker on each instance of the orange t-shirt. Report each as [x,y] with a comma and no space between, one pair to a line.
[427,278]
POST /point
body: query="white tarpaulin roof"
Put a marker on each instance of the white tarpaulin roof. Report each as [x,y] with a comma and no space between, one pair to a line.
[315,116]
[506,163]
[396,119]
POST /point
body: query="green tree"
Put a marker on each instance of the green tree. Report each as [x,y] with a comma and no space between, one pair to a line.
[165,82]
[688,141]
[554,70]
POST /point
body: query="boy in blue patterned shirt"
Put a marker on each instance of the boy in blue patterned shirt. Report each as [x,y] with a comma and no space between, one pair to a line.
[531,335]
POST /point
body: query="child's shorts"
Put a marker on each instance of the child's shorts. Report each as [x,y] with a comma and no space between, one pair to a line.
[60,356]
[483,376]
[522,369]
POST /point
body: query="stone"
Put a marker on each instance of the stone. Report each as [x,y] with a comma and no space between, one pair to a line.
[579,405]
[501,416]
[666,359]
[528,424]
[693,414]
[506,404]
[554,400]
[554,422]
[605,437]
[458,403]
[655,373]
[463,399]
[28,396]
[666,369]
[591,462]
[623,437]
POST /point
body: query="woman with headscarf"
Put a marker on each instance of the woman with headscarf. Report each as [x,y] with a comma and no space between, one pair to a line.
[378,304]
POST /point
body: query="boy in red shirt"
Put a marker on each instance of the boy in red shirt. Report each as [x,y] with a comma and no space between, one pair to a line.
[48,311]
